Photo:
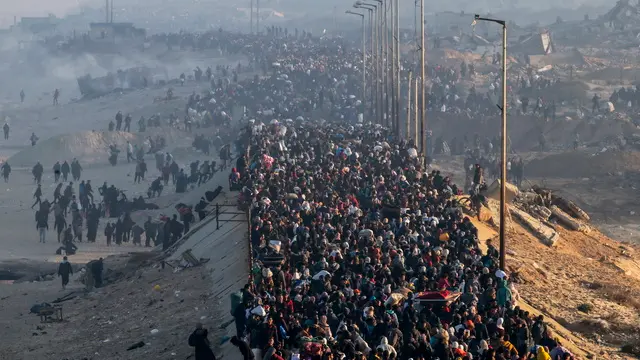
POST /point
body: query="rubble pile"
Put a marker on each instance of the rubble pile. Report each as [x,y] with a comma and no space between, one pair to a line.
[537,209]
[549,209]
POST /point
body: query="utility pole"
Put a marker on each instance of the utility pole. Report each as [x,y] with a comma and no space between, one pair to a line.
[251,18]
[503,155]
[423,76]
[408,125]
[372,62]
[372,69]
[415,113]
[364,58]
[364,67]
[397,66]
[392,65]
[258,17]
[386,63]
[106,11]
[379,73]
[111,11]
[503,174]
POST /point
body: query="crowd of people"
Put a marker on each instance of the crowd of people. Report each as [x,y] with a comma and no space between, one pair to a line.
[376,258]
[360,251]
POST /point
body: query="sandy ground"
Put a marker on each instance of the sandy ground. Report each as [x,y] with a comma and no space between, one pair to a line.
[20,240]
[581,269]
[104,323]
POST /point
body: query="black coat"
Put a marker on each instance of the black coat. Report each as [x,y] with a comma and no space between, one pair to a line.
[244,348]
[198,339]
[65,269]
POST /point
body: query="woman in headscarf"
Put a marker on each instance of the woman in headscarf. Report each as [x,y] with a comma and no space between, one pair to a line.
[542,354]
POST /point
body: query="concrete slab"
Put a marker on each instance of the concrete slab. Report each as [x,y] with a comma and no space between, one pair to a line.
[227,248]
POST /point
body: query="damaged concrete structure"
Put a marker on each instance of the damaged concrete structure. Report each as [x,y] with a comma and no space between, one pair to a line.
[624,14]
[133,78]
[538,44]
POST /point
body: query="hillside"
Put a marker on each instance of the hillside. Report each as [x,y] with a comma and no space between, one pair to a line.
[588,284]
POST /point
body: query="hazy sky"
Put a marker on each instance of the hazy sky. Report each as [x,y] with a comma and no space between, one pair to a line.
[19,8]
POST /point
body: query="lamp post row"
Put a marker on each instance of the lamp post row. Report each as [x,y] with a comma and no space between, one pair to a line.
[385,85]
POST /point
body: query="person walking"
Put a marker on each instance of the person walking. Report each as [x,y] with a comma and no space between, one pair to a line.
[64,271]
[244,348]
[199,340]
[56,95]
[130,152]
[42,226]
[37,195]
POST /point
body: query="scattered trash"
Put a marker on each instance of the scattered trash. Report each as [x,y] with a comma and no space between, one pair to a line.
[154,331]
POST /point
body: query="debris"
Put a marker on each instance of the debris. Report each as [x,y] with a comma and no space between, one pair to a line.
[35,309]
[67,297]
[188,256]
[630,349]
[137,345]
[599,324]
[568,221]
[585,308]
[570,207]
[545,234]
[154,331]
[50,313]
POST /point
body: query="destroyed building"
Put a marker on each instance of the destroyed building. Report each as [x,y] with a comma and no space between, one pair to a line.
[538,43]
[624,15]
[115,31]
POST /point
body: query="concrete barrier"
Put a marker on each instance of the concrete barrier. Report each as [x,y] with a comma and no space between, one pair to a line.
[568,221]
[545,234]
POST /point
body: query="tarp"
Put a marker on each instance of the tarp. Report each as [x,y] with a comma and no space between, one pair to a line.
[437,296]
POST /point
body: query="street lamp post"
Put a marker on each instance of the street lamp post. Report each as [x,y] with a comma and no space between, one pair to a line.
[380,74]
[408,123]
[397,67]
[423,85]
[364,58]
[393,65]
[257,17]
[503,157]
[385,61]
[373,70]
[251,18]
[370,62]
